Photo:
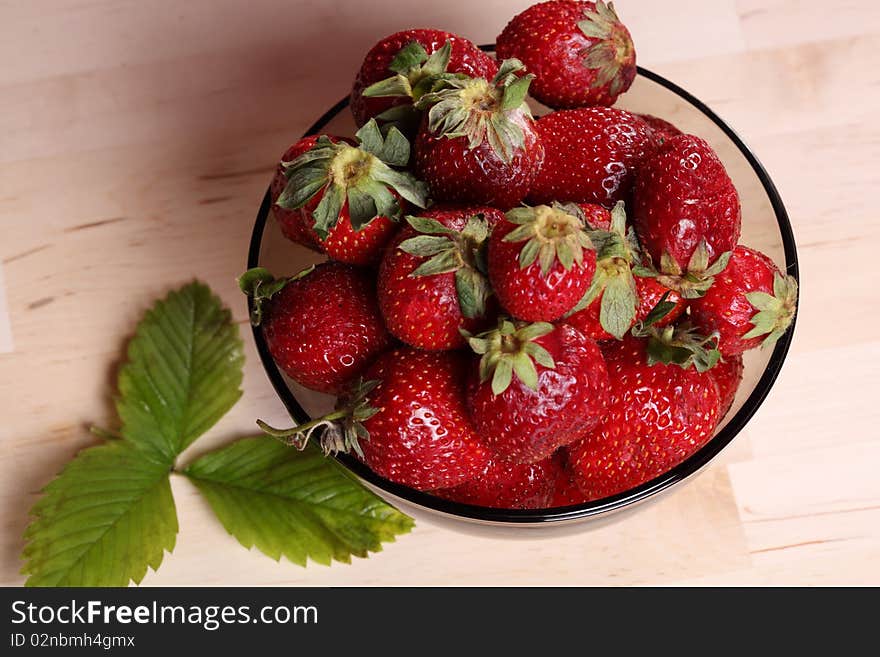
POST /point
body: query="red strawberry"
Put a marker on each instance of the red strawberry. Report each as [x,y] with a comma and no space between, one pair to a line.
[400,68]
[477,143]
[506,485]
[566,491]
[558,393]
[751,303]
[728,374]
[657,417]
[591,155]
[541,261]
[649,293]
[322,326]
[686,213]
[580,52]
[291,221]
[349,197]
[663,129]
[407,421]
[431,283]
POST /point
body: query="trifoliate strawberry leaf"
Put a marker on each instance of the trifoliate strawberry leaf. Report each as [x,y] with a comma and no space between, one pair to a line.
[183,373]
[291,503]
[107,517]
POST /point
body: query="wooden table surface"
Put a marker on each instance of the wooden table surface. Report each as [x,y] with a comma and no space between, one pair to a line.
[137,138]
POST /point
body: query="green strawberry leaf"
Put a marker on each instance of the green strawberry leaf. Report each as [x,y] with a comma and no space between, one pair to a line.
[291,503]
[184,372]
[107,517]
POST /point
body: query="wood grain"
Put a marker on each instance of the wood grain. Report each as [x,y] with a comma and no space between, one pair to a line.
[138,138]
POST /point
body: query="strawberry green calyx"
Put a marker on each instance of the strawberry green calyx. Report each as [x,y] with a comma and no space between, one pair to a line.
[693,282]
[260,285]
[678,344]
[342,428]
[550,233]
[447,250]
[612,52]
[481,110]
[415,73]
[775,311]
[511,349]
[360,177]
[616,252]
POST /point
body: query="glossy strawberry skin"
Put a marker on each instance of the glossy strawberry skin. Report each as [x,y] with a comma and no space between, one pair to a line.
[725,309]
[546,38]
[525,425]
[658,416]
[422,436]
[649,292]
[728,374]
[528,294]
[591,155]
[343,243]
[663,129]
[324,329]
[424,311]
[457,174]
[683,195]
[465,58]
[506,485]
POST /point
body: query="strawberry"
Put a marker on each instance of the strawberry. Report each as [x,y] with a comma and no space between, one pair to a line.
[658,415]
[663,129]
[322,326]
[541,261]
[349,197]
[407,421]
[728,374]
[291,221]
[505,485]
[477,143]
[580,52]
[616,299]
[686,213]
[431,279]
[565,489]
[751,303]
[402,67]
[592,154]
[559,390]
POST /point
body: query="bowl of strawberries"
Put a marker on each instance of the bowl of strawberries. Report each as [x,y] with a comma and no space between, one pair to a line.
[526,283]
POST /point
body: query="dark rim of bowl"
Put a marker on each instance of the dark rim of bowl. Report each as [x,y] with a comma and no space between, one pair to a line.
[597,507]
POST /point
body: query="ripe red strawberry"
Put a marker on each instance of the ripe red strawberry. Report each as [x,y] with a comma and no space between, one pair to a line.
[399,69]
[580,52]
[657,417]
[541,262]
[559,390]
[591,154]
[506,485]
[686,213]
[566,491]
[291,221]
[431,279]
[751,303]
[728,374]
[322,326]
[407,421]
[477,142]
[349,197]
[649,293]
[663,129]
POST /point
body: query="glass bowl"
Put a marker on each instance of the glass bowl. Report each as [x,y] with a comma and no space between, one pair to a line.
[765,226]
